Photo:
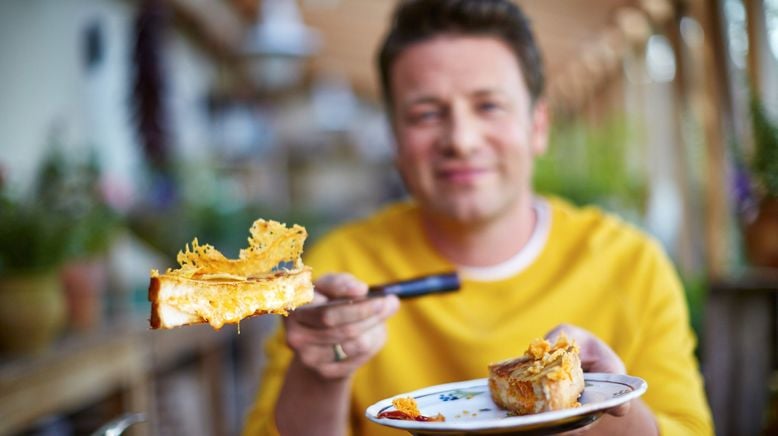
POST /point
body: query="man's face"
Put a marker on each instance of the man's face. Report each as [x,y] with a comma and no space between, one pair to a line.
[466,130]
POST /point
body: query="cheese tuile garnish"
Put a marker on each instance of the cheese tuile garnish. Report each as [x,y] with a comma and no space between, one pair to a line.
[542,354]
[270,244]
[406,405]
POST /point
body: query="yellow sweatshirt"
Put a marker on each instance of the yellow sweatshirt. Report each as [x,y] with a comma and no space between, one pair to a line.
[589,269]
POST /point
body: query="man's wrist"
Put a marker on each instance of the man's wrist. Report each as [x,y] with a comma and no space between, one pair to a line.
[314,376]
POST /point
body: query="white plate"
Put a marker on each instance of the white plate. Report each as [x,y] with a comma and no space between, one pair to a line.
[469,408]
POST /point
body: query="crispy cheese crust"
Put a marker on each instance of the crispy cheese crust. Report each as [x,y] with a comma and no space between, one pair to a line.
[177,301]
[267,277]
[541,380]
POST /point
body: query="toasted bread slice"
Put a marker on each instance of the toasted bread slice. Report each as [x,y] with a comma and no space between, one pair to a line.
[177,301]
[268,277]
[545,378]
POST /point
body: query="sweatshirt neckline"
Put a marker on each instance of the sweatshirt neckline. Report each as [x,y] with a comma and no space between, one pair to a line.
[523,258]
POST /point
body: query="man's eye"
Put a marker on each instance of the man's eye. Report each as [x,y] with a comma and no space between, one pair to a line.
[488,106]
[425,116]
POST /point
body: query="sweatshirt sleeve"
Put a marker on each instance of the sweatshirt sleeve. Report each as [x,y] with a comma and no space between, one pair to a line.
[260,419]
[664,354]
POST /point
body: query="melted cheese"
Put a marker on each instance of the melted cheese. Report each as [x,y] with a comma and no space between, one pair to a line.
[220,305]
[210,287]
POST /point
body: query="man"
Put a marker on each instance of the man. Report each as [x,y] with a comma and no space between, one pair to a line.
[463,83]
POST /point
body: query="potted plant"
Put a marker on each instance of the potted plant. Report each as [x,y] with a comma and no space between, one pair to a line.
[761,233]
[33,244]
[52,246]
[72,191]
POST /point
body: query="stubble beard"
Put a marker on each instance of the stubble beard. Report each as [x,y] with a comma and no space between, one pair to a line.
[456,210]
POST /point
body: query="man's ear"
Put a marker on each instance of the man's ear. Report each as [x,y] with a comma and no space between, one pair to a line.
[541,123]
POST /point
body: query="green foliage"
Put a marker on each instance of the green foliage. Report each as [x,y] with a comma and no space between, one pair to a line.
[72,191]
[64,217]
[765,159]
[32,239]
[696,288]
[589,165]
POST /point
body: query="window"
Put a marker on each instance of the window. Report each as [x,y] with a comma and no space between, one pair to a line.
[771,22]
[735,16]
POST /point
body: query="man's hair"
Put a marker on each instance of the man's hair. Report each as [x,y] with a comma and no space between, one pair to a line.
[415,21]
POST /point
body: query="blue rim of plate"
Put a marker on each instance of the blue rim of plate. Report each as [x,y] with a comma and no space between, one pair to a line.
[633,387]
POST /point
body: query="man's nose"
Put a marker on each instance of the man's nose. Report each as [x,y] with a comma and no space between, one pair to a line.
[462,136]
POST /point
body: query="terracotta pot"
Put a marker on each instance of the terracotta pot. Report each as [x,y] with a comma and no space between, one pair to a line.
[32,312]
[84,281]
[761,235]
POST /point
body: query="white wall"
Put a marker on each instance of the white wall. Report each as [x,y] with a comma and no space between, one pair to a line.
[45,88]
[189,76]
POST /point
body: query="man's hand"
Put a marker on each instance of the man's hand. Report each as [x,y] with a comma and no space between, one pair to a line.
[334,341]
[329,343]
[596,356]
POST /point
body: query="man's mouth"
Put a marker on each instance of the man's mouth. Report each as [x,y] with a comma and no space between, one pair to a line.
[461,175]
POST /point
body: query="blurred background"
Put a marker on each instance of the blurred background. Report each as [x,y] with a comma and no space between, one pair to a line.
[128,127]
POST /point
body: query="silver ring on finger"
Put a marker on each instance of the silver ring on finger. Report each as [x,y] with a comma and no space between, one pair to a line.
[340,354]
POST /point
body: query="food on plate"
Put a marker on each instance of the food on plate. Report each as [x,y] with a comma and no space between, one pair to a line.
[547,377]
[268,277]
[408,410]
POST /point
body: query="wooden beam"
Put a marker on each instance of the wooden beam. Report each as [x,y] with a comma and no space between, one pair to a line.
[659,11]
[216,23]
[687,255]
[634,25]
[565,29]
[247,9]
[754,16]
[599,60]
[712,107]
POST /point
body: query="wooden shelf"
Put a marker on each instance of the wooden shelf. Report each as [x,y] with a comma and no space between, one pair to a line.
[83,369]
[739,348]
[748,280]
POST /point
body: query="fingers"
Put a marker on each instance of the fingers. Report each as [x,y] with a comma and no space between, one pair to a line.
[337,315]
[321,358]
[580,431]
[602,425]
[358,328]
[335,324]
[318,298]
[333,286]
[340,286]
[596,355]
[621,410]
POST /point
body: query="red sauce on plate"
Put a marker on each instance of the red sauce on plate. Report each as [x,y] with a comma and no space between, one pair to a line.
[397,414]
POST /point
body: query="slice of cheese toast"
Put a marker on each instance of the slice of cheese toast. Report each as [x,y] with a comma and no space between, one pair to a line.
[268,277]
[545,378]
